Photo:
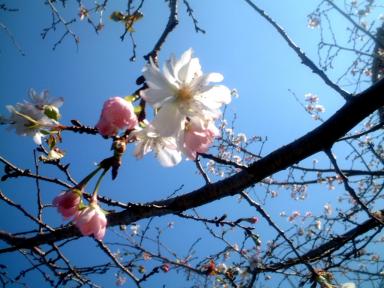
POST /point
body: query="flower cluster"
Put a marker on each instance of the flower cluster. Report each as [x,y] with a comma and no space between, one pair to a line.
[36,116]
[186,106]
[313,107]
[90,220]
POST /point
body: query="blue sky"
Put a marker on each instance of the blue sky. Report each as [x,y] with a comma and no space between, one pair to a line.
[238,43]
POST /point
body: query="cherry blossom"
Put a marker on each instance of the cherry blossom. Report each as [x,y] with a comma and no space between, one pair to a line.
[197,137]
[67,203]
[33,117]
[116,114]
[91,220]
[182,91]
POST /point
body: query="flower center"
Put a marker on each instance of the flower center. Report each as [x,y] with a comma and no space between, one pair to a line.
[184,93]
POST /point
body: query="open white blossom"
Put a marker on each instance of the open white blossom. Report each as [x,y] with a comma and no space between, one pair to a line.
[43,99]
[165,148]
[32,117]
[182,91]
[186,107]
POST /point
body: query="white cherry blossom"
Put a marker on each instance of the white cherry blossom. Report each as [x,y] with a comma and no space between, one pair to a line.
[30,118]
[182,91]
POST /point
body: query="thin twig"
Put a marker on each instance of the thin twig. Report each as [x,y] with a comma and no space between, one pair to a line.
[25,212]
[365,31]
[16,172]
[305,60]
[66,25]
[40,205]
[171,24]
[12,37]
[348,187]
[201,170]
[268,218]
[117,262]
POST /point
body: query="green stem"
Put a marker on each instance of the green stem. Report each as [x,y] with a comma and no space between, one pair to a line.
[94,194]
[84,182]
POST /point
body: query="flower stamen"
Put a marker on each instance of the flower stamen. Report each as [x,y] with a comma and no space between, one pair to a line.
[184,93]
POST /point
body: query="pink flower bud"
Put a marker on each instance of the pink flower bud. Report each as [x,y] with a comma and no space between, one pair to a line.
[165,267]
[91,220]
[253,220]
[67,203]
[117,114]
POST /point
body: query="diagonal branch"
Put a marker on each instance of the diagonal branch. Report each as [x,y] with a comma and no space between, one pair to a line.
[304,59]
[331,246]
[171,24]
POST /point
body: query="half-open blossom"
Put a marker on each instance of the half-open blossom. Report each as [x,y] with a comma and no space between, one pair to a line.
[116,114]
[165,148]
[32,117]
[182,91]
[67,203]
[197,137]
[91,220]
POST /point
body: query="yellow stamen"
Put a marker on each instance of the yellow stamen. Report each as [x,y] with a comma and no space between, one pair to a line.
[184,93]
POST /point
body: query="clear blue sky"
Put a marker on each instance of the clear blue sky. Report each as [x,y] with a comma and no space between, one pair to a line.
[238,44]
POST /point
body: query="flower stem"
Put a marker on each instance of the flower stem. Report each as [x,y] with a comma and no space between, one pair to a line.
[94,194]
[84,182]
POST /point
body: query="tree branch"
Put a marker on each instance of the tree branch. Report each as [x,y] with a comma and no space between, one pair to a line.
[304,59]
[172,23]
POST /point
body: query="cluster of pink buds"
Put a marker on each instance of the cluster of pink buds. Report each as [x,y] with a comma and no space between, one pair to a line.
[90,220]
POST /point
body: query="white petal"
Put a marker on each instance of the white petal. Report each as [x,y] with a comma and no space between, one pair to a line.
[211,77]
[189,71]
[214,77]
[154,78]
[348,285]
[169,67]
[33,95]
[156,97]
[168,120]
[201,83]
[37,138]
[139,150]
[184,60]
[219,93]
[58,102]
[168,157]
